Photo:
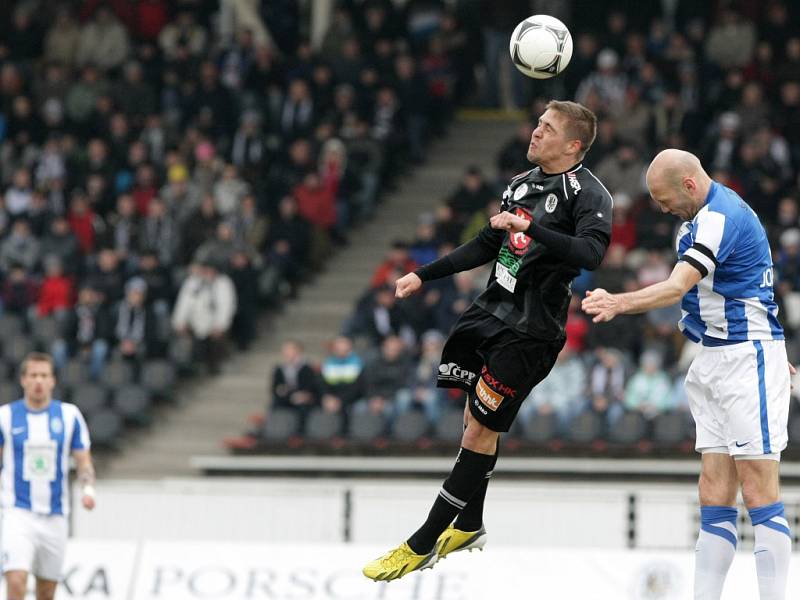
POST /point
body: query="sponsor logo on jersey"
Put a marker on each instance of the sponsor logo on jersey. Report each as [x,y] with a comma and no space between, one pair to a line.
[520,241]
[453,372]
[488,396]
[550,203]
[573,182]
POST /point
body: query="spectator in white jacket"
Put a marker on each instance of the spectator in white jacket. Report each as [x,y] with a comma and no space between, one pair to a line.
[104,41]
[205,309]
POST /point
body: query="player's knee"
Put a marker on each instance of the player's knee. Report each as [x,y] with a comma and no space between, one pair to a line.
[16,583]
[760,482]
[479,438]
[756,493]
[716,491]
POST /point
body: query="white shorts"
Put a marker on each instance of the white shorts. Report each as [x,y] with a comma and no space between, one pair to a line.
[33,543]
[739,398]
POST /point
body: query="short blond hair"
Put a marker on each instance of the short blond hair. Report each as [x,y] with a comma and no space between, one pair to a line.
[39,357]
[581,123]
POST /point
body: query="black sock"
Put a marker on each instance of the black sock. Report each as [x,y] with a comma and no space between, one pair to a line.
[471,518]
[467,476]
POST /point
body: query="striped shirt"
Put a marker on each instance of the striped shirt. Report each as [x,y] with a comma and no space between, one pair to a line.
[734,301]
[36,450]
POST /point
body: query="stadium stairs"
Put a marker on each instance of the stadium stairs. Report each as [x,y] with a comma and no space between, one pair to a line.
[212,409]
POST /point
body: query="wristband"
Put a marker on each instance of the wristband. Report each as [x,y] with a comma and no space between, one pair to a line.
[88,490]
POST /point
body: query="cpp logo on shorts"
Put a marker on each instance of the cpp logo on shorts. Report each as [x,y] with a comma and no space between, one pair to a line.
[453,372]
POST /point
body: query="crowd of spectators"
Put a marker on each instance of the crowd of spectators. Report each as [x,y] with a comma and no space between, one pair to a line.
[722,82]
[168,167]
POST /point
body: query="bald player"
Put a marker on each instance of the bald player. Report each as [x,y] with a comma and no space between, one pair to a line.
[738,385]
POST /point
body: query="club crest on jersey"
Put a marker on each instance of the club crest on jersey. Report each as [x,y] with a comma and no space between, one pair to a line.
[520,241]
[550,203]
[56,425]
[520,191]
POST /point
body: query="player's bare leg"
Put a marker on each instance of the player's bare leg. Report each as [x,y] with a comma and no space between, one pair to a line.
[16,584]
[45,589]
[716,542]
[760,479]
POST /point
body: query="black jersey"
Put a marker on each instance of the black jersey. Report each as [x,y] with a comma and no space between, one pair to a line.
[530,285]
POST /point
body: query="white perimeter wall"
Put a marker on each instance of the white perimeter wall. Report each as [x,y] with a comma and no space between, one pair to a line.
[546,514]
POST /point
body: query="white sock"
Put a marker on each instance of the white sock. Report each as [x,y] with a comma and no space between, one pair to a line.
[773,550]
[716,547]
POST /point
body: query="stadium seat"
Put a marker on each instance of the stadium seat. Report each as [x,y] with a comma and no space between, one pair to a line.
[16,347]
[540,428]
[670,428]
[132,402]
[158,376]
[450,425]
[281,424]
[117,373]
[106,427]
[628,429]
[322,425]
[89,397]
[410,426]
[366,426]
[585,428]
[45,330]
[180,352]
[74,373]
[10,325]
[9,391]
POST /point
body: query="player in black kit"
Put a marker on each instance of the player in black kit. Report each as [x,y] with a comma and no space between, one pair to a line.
[554,221]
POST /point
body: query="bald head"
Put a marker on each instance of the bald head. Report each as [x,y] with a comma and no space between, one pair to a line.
[677,182]
[670,166]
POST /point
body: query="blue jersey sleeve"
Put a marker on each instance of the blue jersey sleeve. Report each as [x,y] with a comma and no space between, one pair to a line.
[714,239]
[80,433]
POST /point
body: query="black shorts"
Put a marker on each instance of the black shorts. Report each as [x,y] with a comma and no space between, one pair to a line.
[496,365]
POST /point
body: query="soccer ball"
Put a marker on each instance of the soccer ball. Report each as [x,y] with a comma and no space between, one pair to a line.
[541,46]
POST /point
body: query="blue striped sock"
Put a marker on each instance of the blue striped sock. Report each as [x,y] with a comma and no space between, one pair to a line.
[773,549]
[715,549]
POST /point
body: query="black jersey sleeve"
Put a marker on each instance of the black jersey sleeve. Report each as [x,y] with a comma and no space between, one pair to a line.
[476,252]
[586,249]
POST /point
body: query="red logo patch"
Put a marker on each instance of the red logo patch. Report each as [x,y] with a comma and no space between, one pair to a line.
[519,242]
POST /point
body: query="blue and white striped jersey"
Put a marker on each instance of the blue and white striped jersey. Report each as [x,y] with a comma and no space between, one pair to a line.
[734,301]
[36,452]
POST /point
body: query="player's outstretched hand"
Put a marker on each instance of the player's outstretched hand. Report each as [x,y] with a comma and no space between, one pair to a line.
[601,304]
[509,222]
[88,502]
[408,284]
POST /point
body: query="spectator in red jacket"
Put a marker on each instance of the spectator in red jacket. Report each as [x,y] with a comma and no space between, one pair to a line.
[83,221]
[397,264]
[56,294]
[316,202]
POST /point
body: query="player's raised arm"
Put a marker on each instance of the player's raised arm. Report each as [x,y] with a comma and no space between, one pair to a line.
[476,252]
[605,306]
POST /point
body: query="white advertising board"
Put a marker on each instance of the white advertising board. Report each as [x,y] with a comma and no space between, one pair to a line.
[243,571]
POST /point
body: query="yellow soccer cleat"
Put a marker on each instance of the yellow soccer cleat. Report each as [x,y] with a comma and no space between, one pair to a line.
[398,562]
[455,540]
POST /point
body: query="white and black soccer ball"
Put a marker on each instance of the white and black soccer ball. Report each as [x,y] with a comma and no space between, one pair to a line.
[541,46]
